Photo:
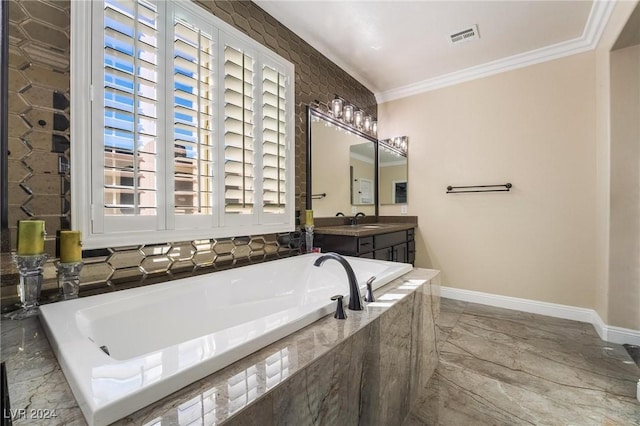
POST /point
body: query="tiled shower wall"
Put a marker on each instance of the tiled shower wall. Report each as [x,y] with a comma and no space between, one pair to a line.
[39,147]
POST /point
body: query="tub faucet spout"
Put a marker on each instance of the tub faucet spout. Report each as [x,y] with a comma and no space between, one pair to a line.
[354,290]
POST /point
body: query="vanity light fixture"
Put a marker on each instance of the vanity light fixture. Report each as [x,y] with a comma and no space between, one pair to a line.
[398,145]
[348,113]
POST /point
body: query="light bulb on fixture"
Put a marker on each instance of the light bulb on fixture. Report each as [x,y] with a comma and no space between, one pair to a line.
[358,117]
[367,123]
[374,128]
[336,108]
[347,114]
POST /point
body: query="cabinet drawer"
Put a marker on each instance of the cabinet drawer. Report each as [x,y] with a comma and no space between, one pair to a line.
[390,239]
[367,255]
[365,244]
[337,243]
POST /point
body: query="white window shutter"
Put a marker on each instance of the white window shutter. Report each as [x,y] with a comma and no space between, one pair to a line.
[127,109]
[274,149]
[190,127]
[193,122]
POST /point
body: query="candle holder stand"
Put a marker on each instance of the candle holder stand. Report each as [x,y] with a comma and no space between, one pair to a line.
[308,233]
[69,279]
[30,268]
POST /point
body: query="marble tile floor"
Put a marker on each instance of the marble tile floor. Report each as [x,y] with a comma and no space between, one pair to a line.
[504,367]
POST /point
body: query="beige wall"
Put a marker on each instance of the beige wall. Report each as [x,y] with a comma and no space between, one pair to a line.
[604,304]
[533,127]
[624,261]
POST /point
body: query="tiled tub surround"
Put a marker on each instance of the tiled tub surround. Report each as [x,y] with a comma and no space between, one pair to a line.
[366,369]
[230,315]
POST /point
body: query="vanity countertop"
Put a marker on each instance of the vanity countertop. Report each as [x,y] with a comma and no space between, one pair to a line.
[364,229]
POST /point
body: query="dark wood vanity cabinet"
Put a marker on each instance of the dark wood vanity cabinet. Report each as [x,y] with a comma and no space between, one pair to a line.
[397,246]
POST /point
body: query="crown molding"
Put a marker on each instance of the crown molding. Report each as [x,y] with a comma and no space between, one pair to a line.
[596,23]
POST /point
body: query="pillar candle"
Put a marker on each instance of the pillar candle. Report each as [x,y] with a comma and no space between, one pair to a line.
[70,247]
[308,217]
[30,237]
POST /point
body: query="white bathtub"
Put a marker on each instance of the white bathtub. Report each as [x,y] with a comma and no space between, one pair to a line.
[163,337]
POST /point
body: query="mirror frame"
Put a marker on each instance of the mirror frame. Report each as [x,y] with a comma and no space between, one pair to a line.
[314,112]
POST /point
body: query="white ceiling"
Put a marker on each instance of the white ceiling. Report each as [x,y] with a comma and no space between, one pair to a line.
[398,48]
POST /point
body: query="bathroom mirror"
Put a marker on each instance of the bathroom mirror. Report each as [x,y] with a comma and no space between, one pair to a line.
[392,170]
[341,168]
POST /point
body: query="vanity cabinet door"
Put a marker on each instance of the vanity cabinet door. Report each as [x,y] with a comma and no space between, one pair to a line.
[390,239]
[384,254]
[401,253]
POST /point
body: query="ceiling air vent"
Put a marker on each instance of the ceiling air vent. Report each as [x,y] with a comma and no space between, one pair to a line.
[468,34]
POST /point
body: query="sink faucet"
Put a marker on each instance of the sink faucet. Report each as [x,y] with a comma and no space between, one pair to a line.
[354,220]
[354,289]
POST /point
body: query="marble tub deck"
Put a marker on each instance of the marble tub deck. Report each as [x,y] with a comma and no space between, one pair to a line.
[365,370]
[503,367]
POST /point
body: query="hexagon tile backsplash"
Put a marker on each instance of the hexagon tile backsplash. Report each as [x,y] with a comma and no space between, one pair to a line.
[38,176]
[125,267]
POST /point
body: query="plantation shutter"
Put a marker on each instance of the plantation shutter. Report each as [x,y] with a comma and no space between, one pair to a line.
[239,152]
[194,56]
[128,117]
[274,153]
[185,125]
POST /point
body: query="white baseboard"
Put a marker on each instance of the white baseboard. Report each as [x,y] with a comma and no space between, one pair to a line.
[525,305]
[606,332]
[621,335]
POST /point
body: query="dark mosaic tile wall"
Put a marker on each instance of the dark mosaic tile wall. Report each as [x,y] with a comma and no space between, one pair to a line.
[39,147]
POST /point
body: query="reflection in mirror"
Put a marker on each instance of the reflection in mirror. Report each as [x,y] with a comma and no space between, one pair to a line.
[343,168]
[362,173]
[392,170]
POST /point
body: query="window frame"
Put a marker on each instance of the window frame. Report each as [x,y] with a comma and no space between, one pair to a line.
[87,125]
